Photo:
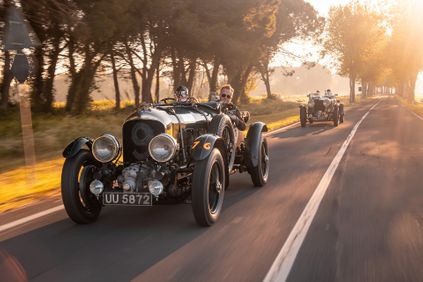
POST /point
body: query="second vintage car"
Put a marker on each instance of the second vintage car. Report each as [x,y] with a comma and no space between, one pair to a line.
[321,108]
[172,153]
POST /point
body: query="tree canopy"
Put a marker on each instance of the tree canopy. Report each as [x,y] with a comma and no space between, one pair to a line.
[152,38]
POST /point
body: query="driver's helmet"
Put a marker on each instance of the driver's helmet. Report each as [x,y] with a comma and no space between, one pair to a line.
[182,94]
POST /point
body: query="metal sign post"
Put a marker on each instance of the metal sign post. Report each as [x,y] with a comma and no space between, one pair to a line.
[17,37]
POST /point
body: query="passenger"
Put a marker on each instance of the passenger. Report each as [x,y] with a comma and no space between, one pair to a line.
[226,94]
[182,94]
[328,93]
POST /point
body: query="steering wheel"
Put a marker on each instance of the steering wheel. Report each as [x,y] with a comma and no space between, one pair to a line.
[168,100]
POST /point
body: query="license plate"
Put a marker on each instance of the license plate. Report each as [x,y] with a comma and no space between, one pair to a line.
[127,199]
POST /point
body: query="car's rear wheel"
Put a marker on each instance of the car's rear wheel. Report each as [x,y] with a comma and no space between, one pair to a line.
[80,204]
[208,188]
[221,125]
[335,116]
[260,173]
[303,116]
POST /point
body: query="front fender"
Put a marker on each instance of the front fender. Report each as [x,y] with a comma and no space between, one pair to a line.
[253,142]
[204,144]
[75,146]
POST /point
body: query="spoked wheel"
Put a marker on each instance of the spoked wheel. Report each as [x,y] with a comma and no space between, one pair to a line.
[341,113]
[80,204]
[303,116]
[228,137]
[260,173]
[221,125]
[336,116]
[208,188]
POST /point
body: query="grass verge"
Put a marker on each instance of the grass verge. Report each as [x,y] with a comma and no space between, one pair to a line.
[415,107]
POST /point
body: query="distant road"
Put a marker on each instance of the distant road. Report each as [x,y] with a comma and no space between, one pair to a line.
[368,226]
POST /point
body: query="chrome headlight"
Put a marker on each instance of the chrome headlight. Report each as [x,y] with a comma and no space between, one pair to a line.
[326,103]
[106,148]
[162,148]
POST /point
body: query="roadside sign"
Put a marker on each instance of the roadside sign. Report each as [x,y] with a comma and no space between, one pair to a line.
[17,36]
[20,67]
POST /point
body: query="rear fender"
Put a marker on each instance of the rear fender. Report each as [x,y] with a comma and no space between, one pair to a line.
[204,144]
[253,142]
[75,146]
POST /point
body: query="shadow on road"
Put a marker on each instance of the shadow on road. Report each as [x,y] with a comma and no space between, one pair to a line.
[128,239]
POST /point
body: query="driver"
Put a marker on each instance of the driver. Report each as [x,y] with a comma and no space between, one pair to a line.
[328,93]
[182,94]
[226,94]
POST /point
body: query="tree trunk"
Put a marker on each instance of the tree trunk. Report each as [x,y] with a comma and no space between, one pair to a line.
[234,78]
[148,76]
[157,90]
[265,77]
[79,90]
[135,84]
[175,70]
[213,79]
[7,79]
[37,97]
[238,78]
[71,52]
[115,81]
[244,81]
[371,90]
[191,75]
[364,88]
[51,71]
[412,91]
[266,80]
[70,97]
[83,95]
[352,88]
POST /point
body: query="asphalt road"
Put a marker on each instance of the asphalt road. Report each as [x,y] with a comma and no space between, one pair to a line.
[367,228]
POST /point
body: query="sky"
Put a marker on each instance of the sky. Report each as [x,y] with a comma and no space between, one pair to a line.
[322,6]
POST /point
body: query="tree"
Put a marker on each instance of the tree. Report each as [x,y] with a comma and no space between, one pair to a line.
[406,46]
[106,18]
[6,73]
[354,36]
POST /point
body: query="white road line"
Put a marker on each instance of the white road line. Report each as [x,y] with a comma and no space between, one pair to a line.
[285,128]
[284,261]
[30,218]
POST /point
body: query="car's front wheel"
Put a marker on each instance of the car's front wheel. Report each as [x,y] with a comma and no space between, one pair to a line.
[80,204]
[208,188]
[260,173]
[303,116]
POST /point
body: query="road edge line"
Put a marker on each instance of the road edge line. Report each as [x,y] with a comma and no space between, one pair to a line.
[285,259]
[29,218]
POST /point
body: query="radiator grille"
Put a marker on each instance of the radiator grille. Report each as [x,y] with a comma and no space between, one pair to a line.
[137,134]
